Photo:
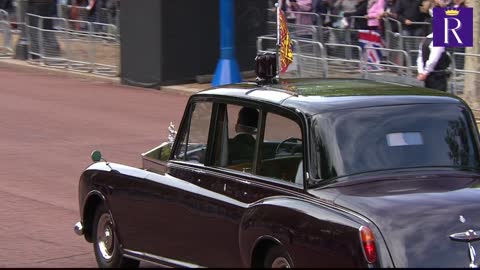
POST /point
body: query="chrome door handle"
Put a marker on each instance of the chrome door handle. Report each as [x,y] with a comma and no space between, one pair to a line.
[198,171]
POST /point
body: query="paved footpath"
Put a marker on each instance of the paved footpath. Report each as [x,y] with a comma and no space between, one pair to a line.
[49,124]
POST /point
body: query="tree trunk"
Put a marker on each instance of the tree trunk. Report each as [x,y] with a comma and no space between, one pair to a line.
[472,80]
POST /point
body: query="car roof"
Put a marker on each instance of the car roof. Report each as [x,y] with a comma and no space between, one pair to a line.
[313,96]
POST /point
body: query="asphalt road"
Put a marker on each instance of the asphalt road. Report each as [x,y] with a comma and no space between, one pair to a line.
[49,125]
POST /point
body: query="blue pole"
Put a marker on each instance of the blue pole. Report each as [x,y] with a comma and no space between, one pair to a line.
[227,70]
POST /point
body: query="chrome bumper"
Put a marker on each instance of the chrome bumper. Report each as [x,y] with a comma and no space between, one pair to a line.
[78,228]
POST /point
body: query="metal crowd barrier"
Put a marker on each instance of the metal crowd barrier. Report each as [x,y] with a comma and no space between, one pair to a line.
[329,32]
[297,29]
[395,37]
[311,58]
[343,65]
[464,76]
[56,42]
[81,13]
[330,29]
[343,55]
[395,67]
[268,43]
[6,48]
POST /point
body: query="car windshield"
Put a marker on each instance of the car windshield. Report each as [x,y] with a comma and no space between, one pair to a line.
[394,137]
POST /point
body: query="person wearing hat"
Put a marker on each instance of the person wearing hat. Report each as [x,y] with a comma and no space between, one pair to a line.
[242,146]
[433,62]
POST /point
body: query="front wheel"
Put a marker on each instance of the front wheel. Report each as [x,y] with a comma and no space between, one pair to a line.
[105,242]
[277,257]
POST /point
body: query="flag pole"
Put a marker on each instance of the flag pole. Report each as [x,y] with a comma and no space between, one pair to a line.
[277,55]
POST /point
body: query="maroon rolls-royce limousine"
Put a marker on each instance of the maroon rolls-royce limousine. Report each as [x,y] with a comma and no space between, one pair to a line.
[302,173]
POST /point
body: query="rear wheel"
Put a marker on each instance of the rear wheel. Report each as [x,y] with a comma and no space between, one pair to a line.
[105,242]
[277,257]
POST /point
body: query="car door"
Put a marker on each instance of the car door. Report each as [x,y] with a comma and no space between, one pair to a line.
[158,216]
[210,237]
[192,215]
[238,180]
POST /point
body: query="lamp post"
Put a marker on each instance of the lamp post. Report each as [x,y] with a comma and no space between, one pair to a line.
[21,48]
[227,70]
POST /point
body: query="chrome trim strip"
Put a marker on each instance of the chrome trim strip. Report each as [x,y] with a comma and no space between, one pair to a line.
[124,169]
[159,259]
[145,260]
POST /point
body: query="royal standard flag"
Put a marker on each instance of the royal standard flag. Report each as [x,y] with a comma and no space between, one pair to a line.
[284,42]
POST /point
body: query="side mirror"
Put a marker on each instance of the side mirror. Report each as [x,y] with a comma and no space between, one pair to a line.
[96,156]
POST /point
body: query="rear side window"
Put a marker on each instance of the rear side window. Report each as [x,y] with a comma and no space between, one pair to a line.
[282,149]
[279,154]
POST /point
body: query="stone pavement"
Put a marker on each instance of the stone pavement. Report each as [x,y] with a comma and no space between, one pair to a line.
[49,125]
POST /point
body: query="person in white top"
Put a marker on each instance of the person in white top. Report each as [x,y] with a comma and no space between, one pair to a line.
[432,65]
[433,62]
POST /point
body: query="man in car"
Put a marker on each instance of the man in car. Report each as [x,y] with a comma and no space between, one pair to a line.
[242,146]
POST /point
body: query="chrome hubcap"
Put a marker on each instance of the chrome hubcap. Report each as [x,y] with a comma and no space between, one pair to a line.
[280,262]
[105,237]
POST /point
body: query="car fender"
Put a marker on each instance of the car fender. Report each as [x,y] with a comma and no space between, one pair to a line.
[93,190]
[307,230]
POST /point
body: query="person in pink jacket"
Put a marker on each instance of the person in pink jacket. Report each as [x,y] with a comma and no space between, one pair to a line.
[374,12]
[303,19]
[303,6]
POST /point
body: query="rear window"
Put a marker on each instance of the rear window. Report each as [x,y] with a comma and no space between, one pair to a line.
[394,137]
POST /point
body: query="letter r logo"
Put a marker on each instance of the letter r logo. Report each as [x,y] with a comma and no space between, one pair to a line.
[453,30]
[452,27]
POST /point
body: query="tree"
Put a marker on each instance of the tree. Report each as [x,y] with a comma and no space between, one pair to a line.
[472,80]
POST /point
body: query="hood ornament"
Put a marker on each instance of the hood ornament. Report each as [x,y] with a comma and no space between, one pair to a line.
[468,237]
[171,133]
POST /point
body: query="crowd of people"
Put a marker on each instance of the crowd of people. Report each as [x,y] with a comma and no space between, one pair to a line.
[413,18]
[412,14]
[96,10]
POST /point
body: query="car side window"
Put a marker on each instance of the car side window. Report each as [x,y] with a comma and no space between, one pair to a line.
[236,137]
[193,140]
[282,150]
